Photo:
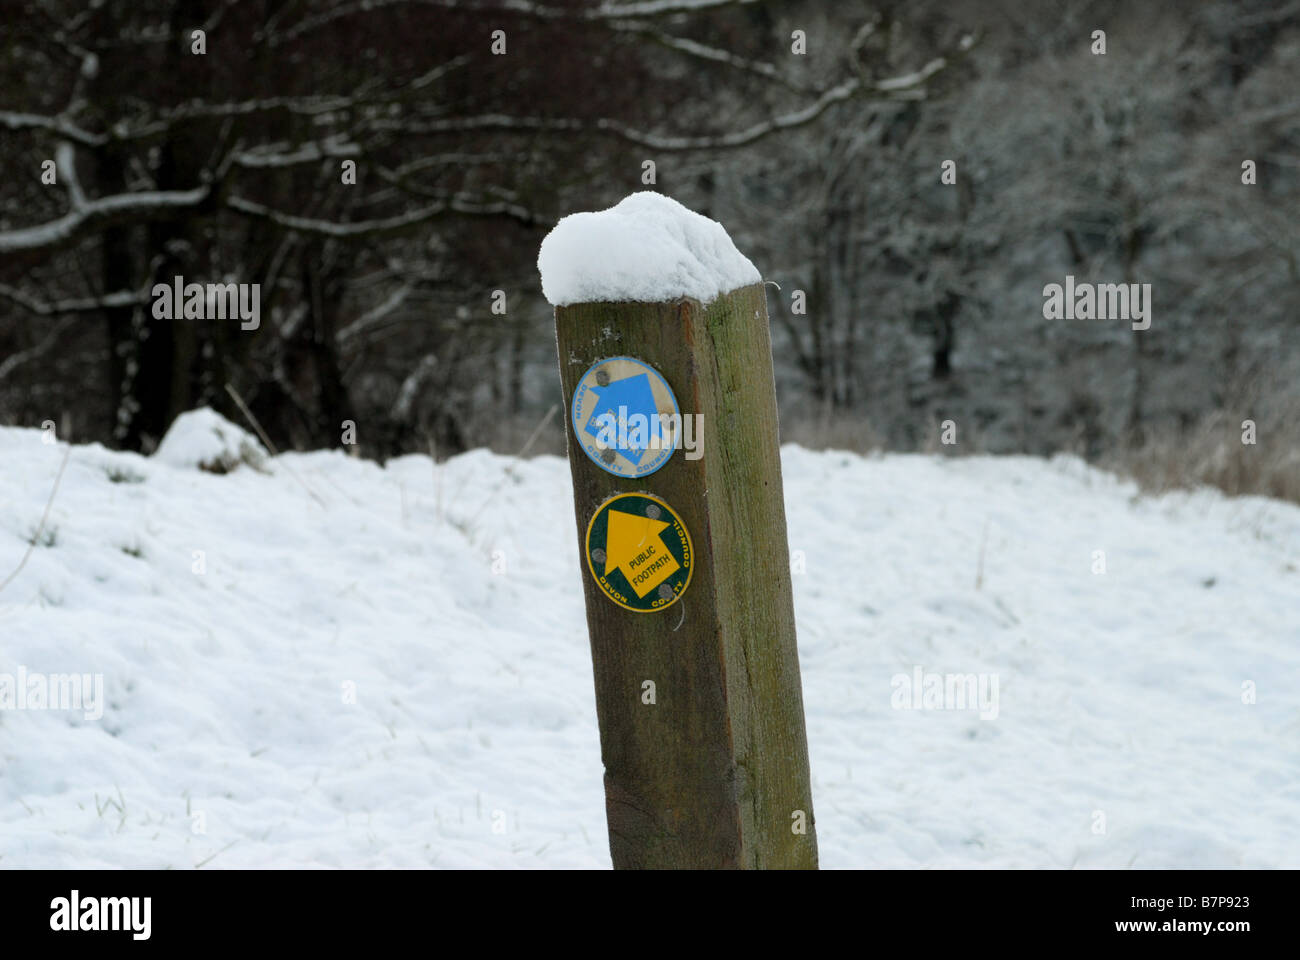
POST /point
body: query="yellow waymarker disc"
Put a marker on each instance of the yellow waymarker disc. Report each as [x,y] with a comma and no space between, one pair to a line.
[639,552]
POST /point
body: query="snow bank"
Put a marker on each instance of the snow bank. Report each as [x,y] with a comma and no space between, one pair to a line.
[648,247]
[206,440]
[401,677]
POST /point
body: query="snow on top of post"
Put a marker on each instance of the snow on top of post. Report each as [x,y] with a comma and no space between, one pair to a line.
[647,248]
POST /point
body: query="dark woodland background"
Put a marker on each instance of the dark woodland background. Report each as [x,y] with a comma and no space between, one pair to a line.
[924,300]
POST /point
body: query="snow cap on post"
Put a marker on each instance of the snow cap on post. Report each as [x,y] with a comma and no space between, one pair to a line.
[647,248]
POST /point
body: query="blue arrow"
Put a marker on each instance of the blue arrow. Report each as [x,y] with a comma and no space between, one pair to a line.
[621,400]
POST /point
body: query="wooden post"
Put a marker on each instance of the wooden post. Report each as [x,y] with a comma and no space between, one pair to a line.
[714,772]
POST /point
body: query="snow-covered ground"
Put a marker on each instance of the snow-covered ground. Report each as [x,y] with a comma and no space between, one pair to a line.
[393,670]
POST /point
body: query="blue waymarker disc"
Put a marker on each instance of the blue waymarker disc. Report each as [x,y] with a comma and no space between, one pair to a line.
[625,417]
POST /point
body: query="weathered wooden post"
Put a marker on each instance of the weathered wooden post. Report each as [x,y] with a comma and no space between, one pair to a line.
[687,573]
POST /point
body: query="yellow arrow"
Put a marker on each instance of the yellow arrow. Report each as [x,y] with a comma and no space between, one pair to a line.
[633,545]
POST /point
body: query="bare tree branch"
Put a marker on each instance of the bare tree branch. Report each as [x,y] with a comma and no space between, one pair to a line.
[61,125]
[281,155]
[376,313]
[42,308]
[120,208]
[702,51]
[45,345]
[356,228]
[905,86]
[605,12]
[65,159]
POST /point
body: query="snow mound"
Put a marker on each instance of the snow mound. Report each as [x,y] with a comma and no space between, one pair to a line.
[648,248]
[205,439]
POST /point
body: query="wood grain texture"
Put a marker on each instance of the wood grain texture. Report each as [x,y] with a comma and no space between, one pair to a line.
[711,774]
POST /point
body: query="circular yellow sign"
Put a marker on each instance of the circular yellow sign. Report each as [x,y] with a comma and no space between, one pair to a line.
[639,552]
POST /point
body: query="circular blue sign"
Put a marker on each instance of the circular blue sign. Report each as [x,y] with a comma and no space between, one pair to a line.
[625,417]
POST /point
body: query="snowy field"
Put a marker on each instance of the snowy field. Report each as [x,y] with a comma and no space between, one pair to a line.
[394,671]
